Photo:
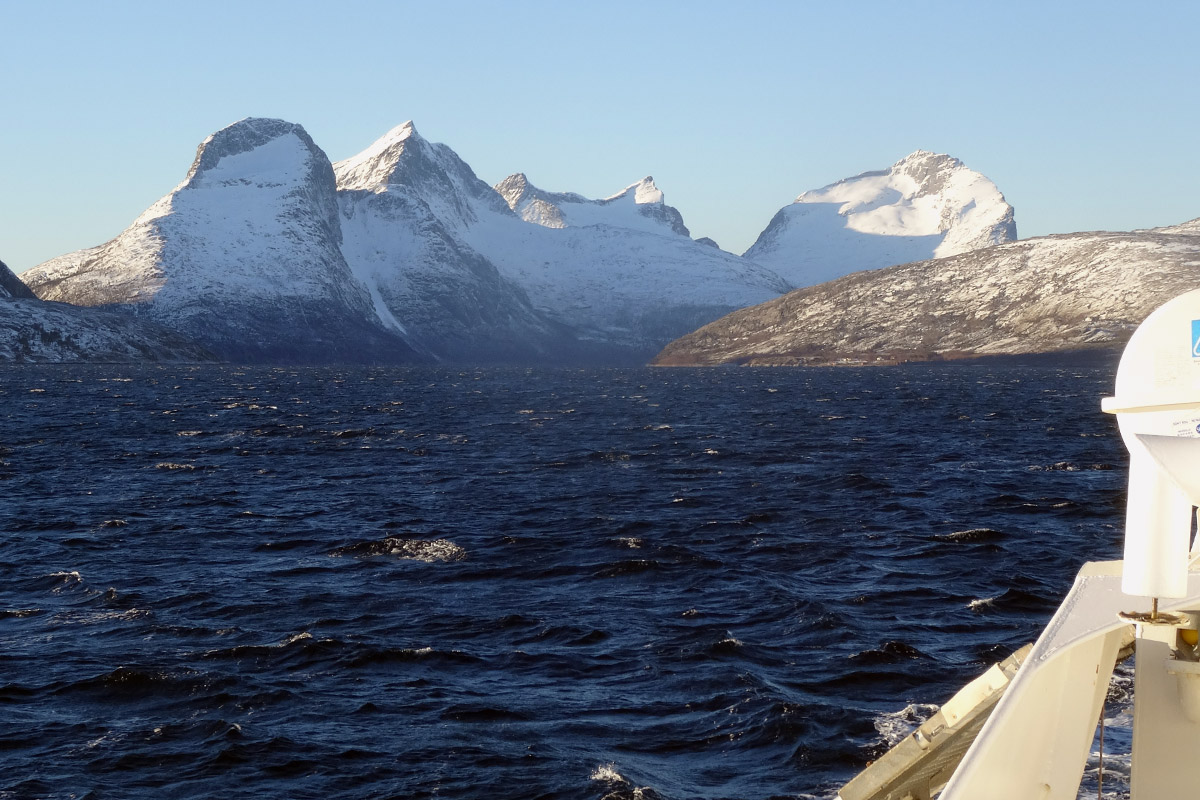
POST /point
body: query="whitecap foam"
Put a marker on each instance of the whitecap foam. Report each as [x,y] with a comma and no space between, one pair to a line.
[19,613]
[299,637]
[607,773]
[97,617]
[894,726]
[428,551]
[72,576]
[65,580]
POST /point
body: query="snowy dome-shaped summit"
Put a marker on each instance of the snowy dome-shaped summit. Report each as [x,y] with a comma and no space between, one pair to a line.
[926,205]
[922,194]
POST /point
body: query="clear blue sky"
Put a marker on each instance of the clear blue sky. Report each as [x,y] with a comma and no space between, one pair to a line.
[1085,114]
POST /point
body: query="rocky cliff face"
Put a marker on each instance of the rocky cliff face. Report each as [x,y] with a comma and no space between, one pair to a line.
[924,206]
[11,286]
[243,256]
[1053,293]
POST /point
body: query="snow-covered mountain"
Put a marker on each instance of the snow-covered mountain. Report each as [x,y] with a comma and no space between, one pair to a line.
[533,274]
[267,252]
[244,256]
[39,331]
[924,206]
[1052,293]
[622,270]
[404,204]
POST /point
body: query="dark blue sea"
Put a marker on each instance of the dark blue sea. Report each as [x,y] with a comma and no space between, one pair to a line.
[414,583]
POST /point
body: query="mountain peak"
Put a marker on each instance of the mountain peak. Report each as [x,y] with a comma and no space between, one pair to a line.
[531,203]
[513,188]
[644,192]
[933,172]
[926,205]
[244,255]
[379,164]
[244,136]
[401,161]
[927,155]
[401,133]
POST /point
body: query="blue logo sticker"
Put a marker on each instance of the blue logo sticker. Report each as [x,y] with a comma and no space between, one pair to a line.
[1196,338]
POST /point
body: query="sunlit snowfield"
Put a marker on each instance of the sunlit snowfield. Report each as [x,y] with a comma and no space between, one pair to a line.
[562,584]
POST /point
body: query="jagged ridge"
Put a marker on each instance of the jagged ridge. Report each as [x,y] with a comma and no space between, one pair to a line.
[639,206]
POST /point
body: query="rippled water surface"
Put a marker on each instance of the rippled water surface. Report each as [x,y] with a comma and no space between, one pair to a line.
[312,583]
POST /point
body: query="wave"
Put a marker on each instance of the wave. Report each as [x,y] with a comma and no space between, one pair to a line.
[618,786]
[1070,466]
[526,607]
[427,550]
[894,726]
[973,535]
[890,652]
